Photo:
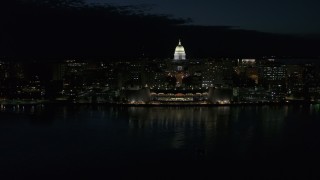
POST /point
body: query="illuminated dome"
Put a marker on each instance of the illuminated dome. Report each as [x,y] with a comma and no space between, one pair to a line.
[179,53]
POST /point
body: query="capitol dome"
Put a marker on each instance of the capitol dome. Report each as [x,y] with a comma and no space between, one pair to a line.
[179,53]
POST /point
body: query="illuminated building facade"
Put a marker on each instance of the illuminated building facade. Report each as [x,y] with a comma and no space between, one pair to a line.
[273,76]
[179,53]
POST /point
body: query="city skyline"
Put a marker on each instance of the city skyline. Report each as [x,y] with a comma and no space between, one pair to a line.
[178,80]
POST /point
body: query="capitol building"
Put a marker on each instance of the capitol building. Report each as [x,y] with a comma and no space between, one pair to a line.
[179,53]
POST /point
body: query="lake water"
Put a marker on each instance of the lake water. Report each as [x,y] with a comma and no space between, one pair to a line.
[85,141]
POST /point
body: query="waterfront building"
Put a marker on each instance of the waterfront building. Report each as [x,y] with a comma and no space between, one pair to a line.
[295,85]
[273,75]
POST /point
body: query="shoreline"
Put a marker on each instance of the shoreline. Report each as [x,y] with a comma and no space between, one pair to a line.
[47,102]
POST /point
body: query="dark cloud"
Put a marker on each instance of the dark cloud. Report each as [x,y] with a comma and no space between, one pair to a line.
[71,28]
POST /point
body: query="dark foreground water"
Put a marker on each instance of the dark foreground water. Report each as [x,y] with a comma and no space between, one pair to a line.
[99,142]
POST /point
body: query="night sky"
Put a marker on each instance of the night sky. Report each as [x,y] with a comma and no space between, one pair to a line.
[101,29]
[278,16]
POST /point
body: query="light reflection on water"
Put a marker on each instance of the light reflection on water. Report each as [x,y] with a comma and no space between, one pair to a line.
[99,136]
